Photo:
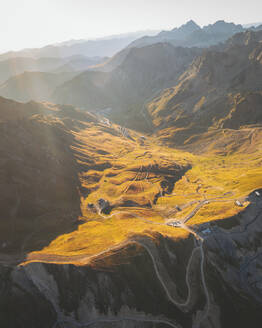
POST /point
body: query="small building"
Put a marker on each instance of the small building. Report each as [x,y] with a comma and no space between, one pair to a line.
[103,205]
[238,203]
[257,193]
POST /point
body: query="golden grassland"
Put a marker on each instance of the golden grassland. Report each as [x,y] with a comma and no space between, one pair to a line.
[98,235]
[119,170]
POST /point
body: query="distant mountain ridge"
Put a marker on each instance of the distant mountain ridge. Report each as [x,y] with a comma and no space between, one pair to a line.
[138,75]
[15,66]
[192,35]
[141,74]
[37,86]
[102,47]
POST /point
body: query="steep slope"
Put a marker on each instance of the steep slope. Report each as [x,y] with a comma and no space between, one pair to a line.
[87,90]
[48,176]
[113,62]
[221,89]
[37,86]
[39,181]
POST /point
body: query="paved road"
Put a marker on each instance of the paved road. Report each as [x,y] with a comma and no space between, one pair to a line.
[207,307]
[202,203]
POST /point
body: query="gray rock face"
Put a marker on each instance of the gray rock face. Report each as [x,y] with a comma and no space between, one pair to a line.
[236,253]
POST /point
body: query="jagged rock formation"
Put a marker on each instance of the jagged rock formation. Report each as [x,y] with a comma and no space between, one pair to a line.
[192,35]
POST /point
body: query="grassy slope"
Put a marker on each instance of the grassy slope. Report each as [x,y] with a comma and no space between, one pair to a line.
[119,174]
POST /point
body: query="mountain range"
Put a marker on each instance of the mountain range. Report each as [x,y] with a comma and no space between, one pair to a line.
[114,88]
[101,47]
[222,88]
[192,35]
[144,72]
[131,185]
[15,66]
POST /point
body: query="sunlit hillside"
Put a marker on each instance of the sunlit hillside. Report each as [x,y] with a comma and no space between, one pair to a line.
[148,185]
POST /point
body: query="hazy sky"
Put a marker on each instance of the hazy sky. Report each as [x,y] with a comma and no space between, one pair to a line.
[34,23]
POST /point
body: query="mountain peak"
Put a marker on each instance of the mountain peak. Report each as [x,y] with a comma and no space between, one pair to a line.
[189,26]
[220,22]
[221,26]
[191,23]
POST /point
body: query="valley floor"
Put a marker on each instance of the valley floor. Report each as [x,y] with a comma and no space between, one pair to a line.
[148,186]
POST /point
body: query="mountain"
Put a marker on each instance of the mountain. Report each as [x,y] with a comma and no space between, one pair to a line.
[37,86]
[192,35]
[176,242]
[221,89]
[18,65]
[257,24]
[222,28]
[15,66]
[113,62]
[137,75]
[182,32]
[80,63]
[86,90]
[39,177]
[103,47]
